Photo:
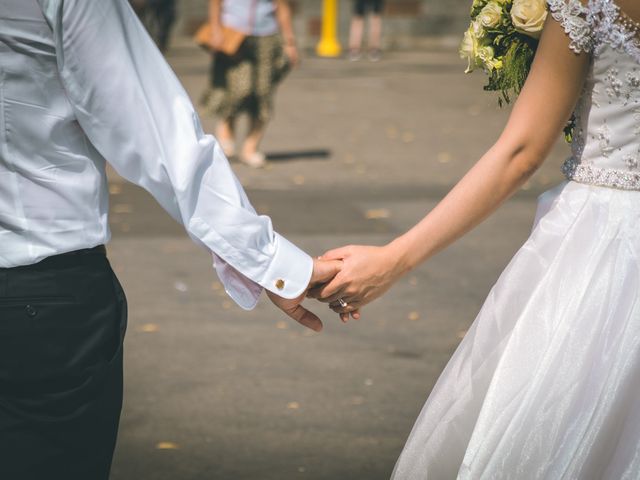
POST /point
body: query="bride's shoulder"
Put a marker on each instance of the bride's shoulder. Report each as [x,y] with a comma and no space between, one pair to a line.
[569,5]
[601,23]
[568,9]
[575,18]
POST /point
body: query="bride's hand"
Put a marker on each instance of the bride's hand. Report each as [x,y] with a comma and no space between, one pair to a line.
[367,273]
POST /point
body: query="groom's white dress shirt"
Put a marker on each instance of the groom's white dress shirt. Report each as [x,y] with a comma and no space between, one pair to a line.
[82,83]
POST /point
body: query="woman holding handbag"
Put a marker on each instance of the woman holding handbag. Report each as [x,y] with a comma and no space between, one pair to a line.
[245,75]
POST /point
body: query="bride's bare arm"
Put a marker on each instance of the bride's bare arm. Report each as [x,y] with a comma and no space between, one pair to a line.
[542,109]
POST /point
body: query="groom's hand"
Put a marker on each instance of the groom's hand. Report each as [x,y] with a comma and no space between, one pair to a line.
[323,272]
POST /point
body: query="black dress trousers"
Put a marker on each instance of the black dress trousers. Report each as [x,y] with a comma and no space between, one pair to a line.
[62,324]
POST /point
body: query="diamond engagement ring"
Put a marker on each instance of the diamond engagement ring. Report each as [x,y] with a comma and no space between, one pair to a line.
[342,303]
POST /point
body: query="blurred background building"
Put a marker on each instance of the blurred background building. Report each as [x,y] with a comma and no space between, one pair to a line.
[408,23]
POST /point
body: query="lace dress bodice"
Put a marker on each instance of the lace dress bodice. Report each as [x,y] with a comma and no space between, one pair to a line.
[606,140]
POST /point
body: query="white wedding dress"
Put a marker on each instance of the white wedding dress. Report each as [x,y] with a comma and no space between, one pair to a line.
[546,383]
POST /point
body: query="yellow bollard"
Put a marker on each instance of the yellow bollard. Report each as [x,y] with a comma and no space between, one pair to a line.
[329,46]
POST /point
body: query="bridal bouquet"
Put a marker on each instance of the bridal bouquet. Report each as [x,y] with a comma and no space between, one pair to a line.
[502,40]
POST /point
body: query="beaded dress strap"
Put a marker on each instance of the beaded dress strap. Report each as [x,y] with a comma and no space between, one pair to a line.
[629,23]
[613,27]
[574,18]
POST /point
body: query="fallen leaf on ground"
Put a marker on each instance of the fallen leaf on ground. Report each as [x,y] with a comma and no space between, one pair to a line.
[293,405]
[148,328]
[444,157]
[408,137]
[122,208]
[413,316]
[378,213]
[167,446]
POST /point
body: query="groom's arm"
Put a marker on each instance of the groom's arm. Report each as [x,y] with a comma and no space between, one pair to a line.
[136,114]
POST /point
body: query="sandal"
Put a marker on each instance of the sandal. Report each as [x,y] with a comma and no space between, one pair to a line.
[254,160]
[375,54]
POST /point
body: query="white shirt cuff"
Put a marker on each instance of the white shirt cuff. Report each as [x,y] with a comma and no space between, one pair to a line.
[288,275]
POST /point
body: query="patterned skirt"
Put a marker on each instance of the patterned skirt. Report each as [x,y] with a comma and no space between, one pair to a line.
[246,81]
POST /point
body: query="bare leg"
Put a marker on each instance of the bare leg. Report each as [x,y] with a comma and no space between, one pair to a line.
[250,154]
[355,36]
[225,135]
[375,31]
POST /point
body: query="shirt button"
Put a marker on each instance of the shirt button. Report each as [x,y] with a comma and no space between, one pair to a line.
[31,311]
[280,284]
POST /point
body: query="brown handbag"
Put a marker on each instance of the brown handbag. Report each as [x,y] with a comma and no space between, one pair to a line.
[232,39]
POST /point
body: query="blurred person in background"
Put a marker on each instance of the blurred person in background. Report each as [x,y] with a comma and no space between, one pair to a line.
[360,10]
[82,84]
[158,17]
[246,81]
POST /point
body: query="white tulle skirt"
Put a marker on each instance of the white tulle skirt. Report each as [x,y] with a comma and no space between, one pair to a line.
[546,383]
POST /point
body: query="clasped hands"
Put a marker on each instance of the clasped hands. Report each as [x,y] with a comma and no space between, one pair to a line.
[355,274]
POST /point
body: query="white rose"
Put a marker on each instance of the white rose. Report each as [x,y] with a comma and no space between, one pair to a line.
[490,15]
[478,29]
[469,49]
[487,56]
[528,16]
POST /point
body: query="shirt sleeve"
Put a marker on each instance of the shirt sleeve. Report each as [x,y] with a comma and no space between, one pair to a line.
[135,112]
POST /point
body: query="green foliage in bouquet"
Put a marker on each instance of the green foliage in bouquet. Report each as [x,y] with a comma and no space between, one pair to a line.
[502,40]
[516,59]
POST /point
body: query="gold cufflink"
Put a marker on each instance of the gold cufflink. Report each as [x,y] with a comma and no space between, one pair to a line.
[280,284]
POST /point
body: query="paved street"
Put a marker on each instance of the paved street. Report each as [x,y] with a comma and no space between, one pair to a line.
[359,152]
